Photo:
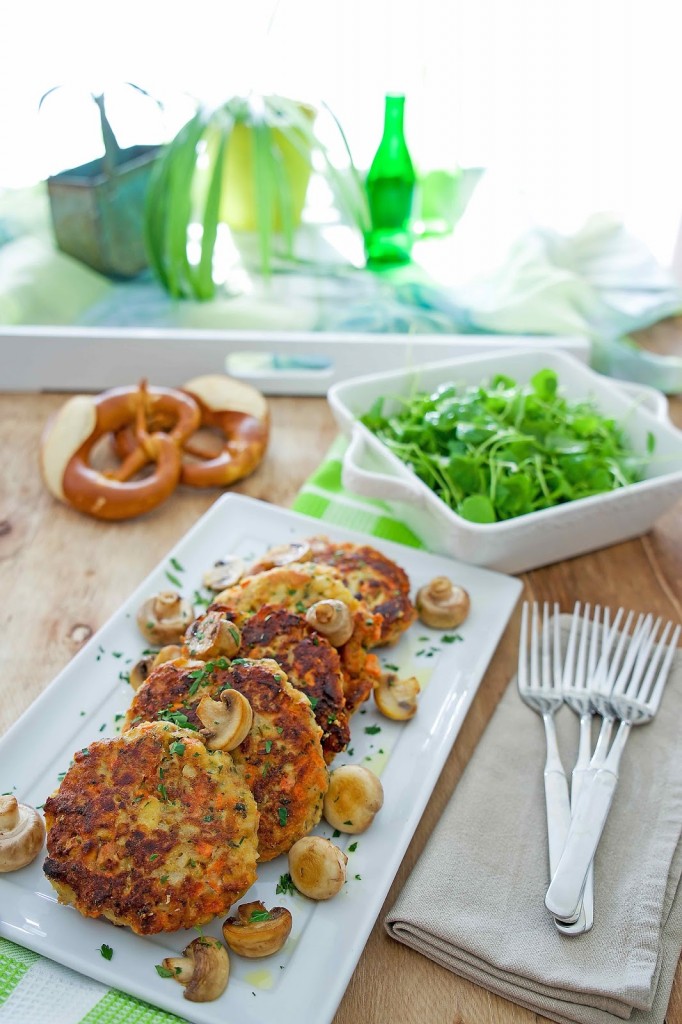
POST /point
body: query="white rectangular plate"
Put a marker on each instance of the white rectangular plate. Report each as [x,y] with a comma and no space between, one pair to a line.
[306,980]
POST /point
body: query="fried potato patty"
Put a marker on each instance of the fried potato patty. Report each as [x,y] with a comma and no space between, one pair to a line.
[281,759]
[373,578]
[152,830]
[311,663]
[297,587]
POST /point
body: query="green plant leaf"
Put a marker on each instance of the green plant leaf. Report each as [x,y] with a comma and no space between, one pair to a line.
[263,190]
[181,156]
[203,280]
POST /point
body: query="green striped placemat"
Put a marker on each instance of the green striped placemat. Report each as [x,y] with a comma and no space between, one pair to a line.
[34,990]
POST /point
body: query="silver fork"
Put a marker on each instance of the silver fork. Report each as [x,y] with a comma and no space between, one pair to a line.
[635,698]
[586,683]
[580,664]
[539,681]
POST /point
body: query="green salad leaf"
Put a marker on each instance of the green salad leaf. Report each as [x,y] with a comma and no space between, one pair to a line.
[497,451]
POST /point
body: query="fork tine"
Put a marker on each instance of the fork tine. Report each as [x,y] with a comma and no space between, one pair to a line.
[546,681]
[556,649]
[632,668]
[617,657]
[572,675]
[595,633]
[600,678]
[522,676]
[534,645]
[640,682]
[655,698]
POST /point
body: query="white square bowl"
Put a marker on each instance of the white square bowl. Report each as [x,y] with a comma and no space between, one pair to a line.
[537,538]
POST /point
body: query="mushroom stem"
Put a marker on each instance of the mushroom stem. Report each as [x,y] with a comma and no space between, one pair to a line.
[203,969]
[227,722]
[9,813]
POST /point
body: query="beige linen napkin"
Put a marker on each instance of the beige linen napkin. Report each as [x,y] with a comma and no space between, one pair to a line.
[475,900]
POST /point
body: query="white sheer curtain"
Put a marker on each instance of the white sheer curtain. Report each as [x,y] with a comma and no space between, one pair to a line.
[577,104]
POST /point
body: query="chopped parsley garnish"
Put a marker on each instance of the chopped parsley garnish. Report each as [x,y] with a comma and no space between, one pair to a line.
[348,822]
[106,951]
[163,879]
[450,638]
[162,790]
[285,885]
[174,580]
[352,848]
[391,668]
[260,915]
[359,878]
[176,718]
[176,565]
[268,746]
[153,856]
[163,972]
[335,834]
[283,814]
[313,702]
[372,730]
[177,747]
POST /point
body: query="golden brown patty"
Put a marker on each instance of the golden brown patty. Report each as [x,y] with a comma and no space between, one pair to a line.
[311,663]
[373,578]
[152,830]
[298,586]
[281,758]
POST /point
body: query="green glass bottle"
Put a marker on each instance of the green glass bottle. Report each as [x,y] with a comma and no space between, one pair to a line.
[390,190]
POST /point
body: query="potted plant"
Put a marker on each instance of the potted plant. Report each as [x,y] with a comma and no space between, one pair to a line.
[97,209]
[245,164]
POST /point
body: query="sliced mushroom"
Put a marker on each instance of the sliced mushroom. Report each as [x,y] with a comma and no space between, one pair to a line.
[203,969]
[283,554]
[257,932]
[224,573]
[227,721]
[333,619]
[213,635]
[354,796]
[441,604]
[139,672]
[22,834]
[164,617]
[168,653]
[317,867]
[397,698]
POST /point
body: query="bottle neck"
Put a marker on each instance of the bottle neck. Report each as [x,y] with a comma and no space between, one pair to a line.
[394,112]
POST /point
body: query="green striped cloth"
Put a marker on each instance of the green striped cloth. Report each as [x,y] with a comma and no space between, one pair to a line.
[34,990]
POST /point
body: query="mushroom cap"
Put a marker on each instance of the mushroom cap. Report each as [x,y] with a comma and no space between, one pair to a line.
[224,573]
[256,932]
[164,617]
[140,671]
[397,698]
[317,867]
[333,619]
[22,834]
[213,635]
[354,796]
[203,969]
[227,722]
[441,604]
[283,554]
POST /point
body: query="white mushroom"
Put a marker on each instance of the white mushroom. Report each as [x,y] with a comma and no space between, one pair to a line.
[283,554]
[213,635]
[257,932]
[224,573]
[317,867]
[333,619]
[227,722]
[22,834]
[168,653]
[397,698]
[164,618]
[139,672]
[354,796]
[441,604]
[203,969]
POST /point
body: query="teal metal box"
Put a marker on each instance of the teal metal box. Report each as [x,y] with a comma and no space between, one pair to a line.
[98,210]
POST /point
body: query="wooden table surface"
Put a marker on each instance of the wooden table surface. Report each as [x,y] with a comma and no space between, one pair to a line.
[62,575]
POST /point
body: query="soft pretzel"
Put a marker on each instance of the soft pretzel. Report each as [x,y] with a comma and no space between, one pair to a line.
[70,437]
[238,412]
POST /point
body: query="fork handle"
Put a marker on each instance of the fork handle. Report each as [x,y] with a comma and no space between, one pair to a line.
[557,798]
[566,889]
